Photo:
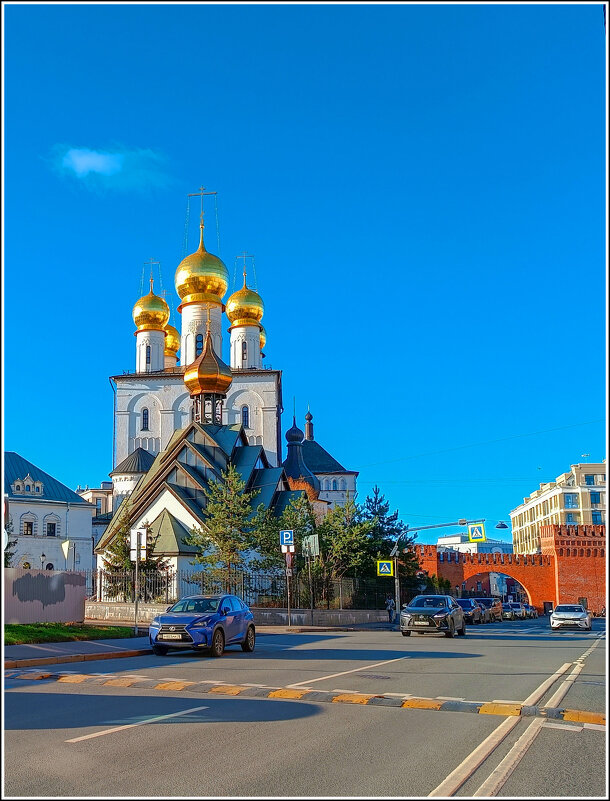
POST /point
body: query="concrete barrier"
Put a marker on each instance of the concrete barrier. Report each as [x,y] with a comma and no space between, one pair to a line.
[108,611]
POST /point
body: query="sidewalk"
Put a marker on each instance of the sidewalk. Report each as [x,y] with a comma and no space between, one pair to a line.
[50,653]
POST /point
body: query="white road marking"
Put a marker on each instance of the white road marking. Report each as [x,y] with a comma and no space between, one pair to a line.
[448,698]
[464,771]
[548,724]
[498,777]
[594,726]
[345,672]
[139,723]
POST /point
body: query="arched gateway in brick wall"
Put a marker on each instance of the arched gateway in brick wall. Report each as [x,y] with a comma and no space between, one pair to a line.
[572,565]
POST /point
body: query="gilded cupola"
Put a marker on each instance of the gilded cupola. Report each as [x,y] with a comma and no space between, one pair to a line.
[208,374]
[151,312]
[172,340]
[245,307]
[201,277]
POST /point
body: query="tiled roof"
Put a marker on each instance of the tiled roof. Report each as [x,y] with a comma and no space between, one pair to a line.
[318,460]
[16,467]
[139,461]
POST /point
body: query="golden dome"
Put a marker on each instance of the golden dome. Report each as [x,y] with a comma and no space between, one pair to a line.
[208,374]
[245,307]
[263,337]
[151,312]
[172,340]
[201,276]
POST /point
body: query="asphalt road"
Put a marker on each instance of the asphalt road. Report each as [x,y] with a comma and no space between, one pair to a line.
[90,739]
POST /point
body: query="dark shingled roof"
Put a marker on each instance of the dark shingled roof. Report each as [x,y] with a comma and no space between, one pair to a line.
[320,461]
[137,462]
[16,467]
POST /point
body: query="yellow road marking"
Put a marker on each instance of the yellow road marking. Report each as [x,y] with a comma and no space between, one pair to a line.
[288,694]
[75,678]
[508,710]
[171,685]
[126,681]
[228,689]
[579,716]
[352,698]
[422,703]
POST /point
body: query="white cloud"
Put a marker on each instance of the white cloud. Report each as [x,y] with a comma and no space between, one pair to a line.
[117,167]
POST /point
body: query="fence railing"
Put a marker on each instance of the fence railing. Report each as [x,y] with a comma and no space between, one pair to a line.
[259,590]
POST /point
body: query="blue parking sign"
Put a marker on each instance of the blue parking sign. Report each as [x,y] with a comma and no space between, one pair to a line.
[287,537]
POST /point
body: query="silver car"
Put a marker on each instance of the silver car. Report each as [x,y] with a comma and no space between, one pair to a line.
[571,616]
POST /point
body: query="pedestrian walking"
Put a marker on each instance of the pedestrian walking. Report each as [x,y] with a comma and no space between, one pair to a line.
[390,606]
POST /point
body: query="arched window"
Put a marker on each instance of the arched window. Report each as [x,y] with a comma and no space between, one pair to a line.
[198,345]
[588,551]
[244,351]
[144,419]
[582,552]
[245,416]
[148,354]
[334,483]
[343,484]
[561,552]
[27,487]
[18,488]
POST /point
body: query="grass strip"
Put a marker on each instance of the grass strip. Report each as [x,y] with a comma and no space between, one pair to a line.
[25,633]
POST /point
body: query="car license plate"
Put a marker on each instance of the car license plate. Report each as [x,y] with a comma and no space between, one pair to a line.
[170,636]
[420,622]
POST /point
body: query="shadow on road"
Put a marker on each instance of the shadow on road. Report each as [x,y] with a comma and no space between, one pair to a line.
[25,711]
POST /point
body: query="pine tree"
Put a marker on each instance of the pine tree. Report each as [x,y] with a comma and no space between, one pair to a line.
[344,541]
[227,516]
[264,535]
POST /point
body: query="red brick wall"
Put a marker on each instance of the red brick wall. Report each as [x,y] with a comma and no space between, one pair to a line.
[572,566]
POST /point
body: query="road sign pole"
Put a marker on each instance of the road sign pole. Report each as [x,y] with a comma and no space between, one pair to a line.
[288,595]
[136,583]
[396,586]
[310,587]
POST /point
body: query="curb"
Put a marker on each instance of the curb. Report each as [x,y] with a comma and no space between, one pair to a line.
[57,660]
[292,693]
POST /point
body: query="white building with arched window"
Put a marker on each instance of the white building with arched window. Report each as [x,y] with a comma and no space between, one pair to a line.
[42,514]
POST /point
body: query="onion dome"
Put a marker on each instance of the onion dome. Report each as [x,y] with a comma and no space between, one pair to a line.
[151,312]
[309,416]
[294,464]
[208,374]
[201,277]
[263,336]
[172,340]
[245,307]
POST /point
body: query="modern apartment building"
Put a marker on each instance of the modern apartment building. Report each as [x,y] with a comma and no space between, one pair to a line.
[574,498]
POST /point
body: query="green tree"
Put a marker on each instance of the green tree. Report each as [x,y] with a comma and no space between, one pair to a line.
[344,541]
[227,519]
[11,545]
[264,534]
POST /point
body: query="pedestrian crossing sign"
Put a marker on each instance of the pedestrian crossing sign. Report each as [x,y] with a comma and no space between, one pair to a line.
[385,567]
[476,532]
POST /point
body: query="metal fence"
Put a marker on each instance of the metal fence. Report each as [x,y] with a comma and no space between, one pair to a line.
[258,590]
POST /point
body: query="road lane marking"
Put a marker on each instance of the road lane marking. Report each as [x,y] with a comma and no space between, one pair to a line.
[464,771]
[498,777]
[139,723]
[345,672]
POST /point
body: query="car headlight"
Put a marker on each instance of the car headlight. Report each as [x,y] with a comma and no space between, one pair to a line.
[155,622]
[440,615]
[200,624]
[404,616]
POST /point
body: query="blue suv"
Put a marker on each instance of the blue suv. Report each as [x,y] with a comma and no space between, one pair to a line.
[203,621]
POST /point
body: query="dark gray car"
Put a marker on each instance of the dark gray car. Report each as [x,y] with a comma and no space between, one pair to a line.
[432,614]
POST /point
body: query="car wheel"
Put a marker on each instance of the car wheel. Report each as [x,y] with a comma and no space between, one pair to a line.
[462,631]
[218,643]
[406,633]
[451,632]
[159,650]
[249,641]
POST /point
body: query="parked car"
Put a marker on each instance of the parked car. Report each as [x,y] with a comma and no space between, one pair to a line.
[432,614]
[508,613]
[203,622]
[473,613]
[493,606]
[530,610]
[519,609]
[571,616]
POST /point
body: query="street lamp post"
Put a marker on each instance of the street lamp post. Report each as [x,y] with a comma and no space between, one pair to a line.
[42,558]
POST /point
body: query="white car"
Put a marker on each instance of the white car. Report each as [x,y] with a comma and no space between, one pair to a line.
[570,616]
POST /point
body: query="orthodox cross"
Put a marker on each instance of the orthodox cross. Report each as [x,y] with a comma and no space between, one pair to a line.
[200,194]
[245,256]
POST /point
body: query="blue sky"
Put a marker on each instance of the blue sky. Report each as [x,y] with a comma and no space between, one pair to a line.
[423,188]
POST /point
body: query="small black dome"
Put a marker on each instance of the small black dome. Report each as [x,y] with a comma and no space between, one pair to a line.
[294,434]
[309,416]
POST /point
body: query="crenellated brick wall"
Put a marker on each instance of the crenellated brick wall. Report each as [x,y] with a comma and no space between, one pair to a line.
[571,566]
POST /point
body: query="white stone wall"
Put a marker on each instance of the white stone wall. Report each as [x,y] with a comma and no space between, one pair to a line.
[169,408]
[73,522]
[251,336]
[194,321]
[155,340]
[345,483]
[123,484]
